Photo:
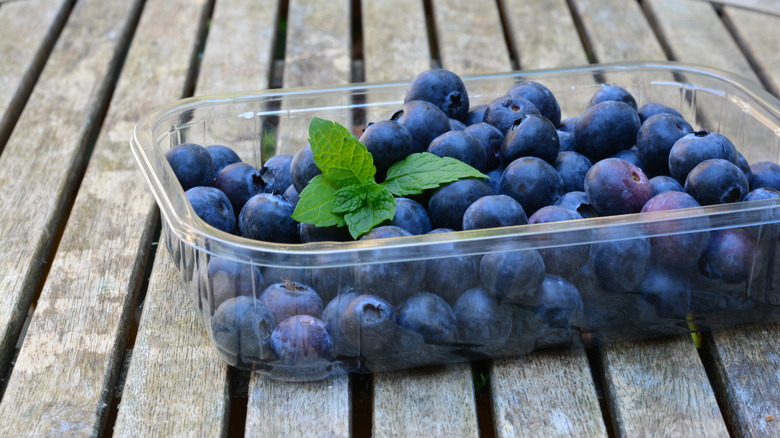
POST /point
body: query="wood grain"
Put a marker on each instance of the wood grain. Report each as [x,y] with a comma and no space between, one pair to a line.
[395,45]
[618,31]
[543,34]
[318,41]
[547,393]
[27,32]
[745,363]
[434,401]
[761,46]
[692,32]
[471,38]
[76,339]
[659,388]
[39,171]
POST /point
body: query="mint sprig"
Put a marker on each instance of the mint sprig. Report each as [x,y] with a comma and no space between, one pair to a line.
[346,192]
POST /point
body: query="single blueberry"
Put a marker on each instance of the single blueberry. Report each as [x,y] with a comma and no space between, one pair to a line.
[242,327]
[430,316]
[560,260]
[457,125]
[239,181]
[652,108]
[411,216]
[192,165]
[462,146]
[541,97]
[449,277]
[331,316]
[655,139]
[693,148]
[620,265]
[313,233]
[765,174]
[213,207]
[566,140]
[442,88]
[290,298]
[388,142]
[532,182]
[276,173]
[572,167]
[268,217]
[303,168]
[503,111]
[476,114]
[494,211]
[577,201]
[664,183]
[228,279]
[716,181]
[512,276]
[481,319]
[424,121]
[368,323]
[612,93]
[558,303]
[605,128]
[301,339]
[732,255]
[448,203]
[221,156]
[675,247]
[615,186]
[491,139]
[530,136]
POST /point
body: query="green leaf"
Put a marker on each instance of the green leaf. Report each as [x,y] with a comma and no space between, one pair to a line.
[379,207]
[343,160]
[423,171]
[315,204]
[348,199]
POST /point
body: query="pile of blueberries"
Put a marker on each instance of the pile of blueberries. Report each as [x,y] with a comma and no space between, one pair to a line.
[614,158]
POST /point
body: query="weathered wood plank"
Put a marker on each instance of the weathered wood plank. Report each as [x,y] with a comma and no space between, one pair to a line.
[23,58]
[759,34]
[617,30]
[693,33]
[659,387]
[547,393]
[176,362]
[544,34]
[435,401]
[745,361]
[76,339]
[317,53]
[471,38]
[764,6]
[395,45]
[38,177]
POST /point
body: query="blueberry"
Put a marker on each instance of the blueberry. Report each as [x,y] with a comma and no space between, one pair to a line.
[494,211]
[229,279]
[620,265]
[532,182]
[675,249]
[562,260]
[393,280]
[449,277]
[716,181]
[577,201]
[566,140]
[444,89]
[424,121]
[292,195]
[213,206]
[276,173]
[268,217]
[242,326]
[541,97]
[568,124]
[765,174]
[457,125]
[448,203]
[290,298]
[313,233]
[732,255]
[476,114]
[652,108]
[462,146]
[770,216]
[491,139]
[328,282]
[605,128]
[480,318]
[388,142]
[331,316]
[430,316]
[502,112]
[668,289]
[696,147]
[572,167]
[530,136]
[192,165]
[664,183]
[558,303]
[221,156]
[303,168]
[612,93]
[615,186]
[632,156]
[494,179]
[239,181]
[744,166]
[368,323]
[411,216]
[655,139]
[301,339]
[512,276]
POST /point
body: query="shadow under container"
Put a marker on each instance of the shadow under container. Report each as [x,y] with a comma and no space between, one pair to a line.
[496,292]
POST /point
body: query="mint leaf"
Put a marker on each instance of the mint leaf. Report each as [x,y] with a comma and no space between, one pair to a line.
[348,199]
[423,171]
[379,207]
[315,204]
[343,160]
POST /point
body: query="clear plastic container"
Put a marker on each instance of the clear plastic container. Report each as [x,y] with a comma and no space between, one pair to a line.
[608,303]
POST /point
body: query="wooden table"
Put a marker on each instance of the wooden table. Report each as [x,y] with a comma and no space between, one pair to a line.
[96,336]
